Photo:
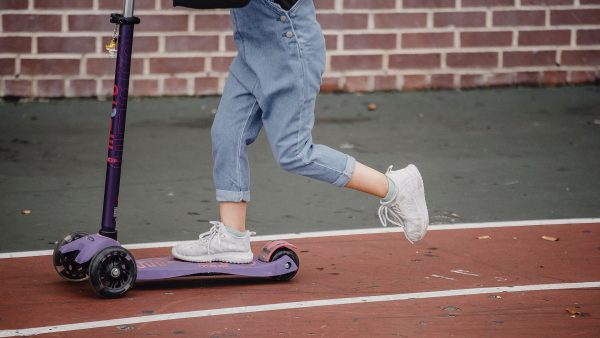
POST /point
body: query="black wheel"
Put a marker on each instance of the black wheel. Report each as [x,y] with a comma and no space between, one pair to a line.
[65,264]
[112,272]
[285,252]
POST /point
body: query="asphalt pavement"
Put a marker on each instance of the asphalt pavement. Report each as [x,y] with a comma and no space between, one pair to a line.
[485,155]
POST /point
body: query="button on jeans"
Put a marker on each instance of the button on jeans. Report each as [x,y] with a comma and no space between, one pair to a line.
[273,83]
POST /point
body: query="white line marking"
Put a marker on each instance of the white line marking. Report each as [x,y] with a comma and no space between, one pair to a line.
[292,305]
[464,272]
[443,277]
[332,233]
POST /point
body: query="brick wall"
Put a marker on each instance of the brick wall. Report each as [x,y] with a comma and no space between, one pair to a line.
[54,48]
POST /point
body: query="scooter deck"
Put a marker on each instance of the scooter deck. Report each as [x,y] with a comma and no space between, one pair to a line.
[169,267]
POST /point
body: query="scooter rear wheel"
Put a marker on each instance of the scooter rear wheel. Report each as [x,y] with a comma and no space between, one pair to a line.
[285,252]
[65,264]
[112,272]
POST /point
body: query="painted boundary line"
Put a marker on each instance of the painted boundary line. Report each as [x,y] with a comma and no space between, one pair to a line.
[293,305]
[334,233]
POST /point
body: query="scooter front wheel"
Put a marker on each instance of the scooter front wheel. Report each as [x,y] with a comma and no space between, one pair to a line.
[112,272]
[285,252]
[65,264]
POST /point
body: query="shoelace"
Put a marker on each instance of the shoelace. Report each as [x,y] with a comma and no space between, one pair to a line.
[391,213]
[215,231]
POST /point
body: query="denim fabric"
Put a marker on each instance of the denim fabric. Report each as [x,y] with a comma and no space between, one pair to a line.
[274,81]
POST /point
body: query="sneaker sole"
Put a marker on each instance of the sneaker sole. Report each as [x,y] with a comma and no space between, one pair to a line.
[240,258]
[421,203]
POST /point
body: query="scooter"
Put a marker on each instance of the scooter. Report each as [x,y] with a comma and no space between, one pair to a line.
[110,268]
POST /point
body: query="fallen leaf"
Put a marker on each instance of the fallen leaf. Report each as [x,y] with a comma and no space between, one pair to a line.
[25,212]
[484,237]
[574,313]
[372,106]
[550,238]
[455,215]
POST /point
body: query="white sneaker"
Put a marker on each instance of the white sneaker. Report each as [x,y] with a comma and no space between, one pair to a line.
[216,245]
[407,208]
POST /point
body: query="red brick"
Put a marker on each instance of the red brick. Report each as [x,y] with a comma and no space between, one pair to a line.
[554,78]
[221,63]
[485,39]
[343,21]
[81,88]
[527,59]
[7,66]
[118,4]
[385,82]
[168,4]
[50,88]
[545,2]
[79,44]
[519,18]
[442,81]
[324,4]
[579,77]
[472,60]
[528,78]
[174,65]
[581,57]
[487,3]
[414,82]
[62,4]
[589,2]
[400,20]
[173,86]
[90,23]
[575,17]
[50,66]
[459,19]
[15,44]
[331,42]
[371,4]
[501,79]
[163,23]
[184,43]
[354,84]
[414,61]
[206,86]
[588,37]
[19,88]
[106,87]
[427,40]
[14,4]
[31,23]
[144,87]
[544,38]
[472,80]
[429,3]
[212,22]
[370,41]
[144,44]
[229,43]
[106,66]
[356,62]
[330,85]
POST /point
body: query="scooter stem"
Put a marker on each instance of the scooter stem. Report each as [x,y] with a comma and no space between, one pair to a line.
[126,23]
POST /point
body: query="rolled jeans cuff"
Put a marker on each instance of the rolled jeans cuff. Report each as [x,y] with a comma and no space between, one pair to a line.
[233,196]
[347,173]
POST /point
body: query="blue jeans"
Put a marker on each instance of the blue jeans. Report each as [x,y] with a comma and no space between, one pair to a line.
[273,83]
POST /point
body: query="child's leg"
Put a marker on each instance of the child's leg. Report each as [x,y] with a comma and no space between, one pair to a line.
[368,180]
[233,214]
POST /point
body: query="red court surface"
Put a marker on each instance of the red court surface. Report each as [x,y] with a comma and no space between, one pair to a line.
[346,273]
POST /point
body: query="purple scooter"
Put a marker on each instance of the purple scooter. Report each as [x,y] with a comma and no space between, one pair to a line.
[111,269]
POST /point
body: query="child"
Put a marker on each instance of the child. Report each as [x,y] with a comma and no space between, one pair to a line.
[273,83]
